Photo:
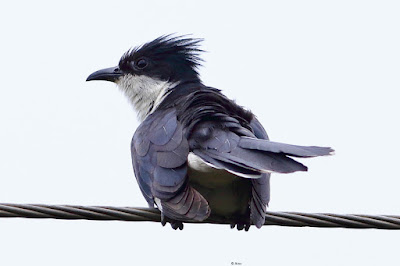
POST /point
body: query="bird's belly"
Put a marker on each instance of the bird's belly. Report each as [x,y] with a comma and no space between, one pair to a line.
[227,194]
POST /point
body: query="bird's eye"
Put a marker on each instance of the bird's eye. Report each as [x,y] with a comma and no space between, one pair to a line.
[141,63]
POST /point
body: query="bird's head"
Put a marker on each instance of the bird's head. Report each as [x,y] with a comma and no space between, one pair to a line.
[146,74]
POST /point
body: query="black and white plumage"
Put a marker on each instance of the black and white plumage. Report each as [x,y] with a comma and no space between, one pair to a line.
[197,153]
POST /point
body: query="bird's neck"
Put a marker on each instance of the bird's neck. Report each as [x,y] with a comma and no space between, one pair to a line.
[145,93]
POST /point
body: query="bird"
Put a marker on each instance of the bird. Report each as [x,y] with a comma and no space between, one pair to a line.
[197,154]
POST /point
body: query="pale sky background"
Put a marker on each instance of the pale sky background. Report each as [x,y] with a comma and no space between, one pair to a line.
[314,72]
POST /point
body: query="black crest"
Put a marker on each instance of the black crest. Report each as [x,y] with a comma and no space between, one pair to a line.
[174,58]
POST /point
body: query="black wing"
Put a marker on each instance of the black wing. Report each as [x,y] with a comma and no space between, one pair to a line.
[159,157]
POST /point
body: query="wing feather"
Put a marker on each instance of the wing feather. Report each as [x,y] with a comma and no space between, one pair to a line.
[159,158]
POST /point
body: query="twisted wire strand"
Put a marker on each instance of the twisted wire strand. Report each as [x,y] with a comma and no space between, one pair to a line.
[108,213]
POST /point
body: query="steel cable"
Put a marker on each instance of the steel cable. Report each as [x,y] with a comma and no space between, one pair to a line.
[107,213]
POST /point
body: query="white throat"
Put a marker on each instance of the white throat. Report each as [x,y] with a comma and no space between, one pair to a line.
[145,93]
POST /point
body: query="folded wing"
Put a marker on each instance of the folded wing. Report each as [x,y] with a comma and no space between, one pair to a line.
[159,156]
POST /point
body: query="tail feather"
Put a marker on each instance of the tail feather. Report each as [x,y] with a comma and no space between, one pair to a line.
[249,157]
[279,148]
[259,160]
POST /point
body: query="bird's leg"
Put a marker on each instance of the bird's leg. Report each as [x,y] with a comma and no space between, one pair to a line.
[174,223]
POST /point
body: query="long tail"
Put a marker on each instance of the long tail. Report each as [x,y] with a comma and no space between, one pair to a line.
[269,156]
[288,149]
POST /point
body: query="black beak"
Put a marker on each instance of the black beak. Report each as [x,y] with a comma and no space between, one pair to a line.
[109,74]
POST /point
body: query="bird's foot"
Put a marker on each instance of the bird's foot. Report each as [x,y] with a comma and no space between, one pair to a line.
[174,223]
[241,222]
[241,225]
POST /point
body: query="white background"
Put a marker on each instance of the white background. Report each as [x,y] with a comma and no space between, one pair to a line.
[314,72]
